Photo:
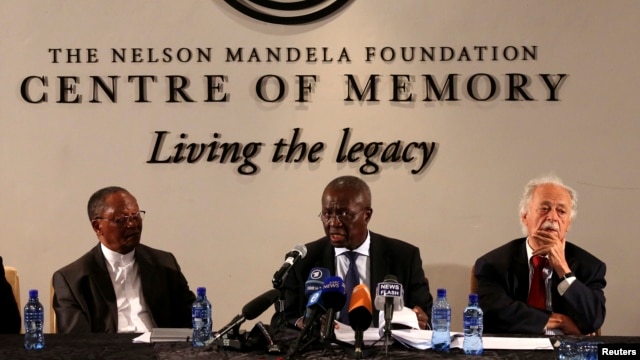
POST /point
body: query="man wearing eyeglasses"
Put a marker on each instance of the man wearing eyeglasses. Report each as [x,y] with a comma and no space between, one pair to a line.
[345,215]
[120,285]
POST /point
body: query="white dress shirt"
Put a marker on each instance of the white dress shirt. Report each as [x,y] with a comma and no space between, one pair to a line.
[133,313]
[562,286]
[362,262]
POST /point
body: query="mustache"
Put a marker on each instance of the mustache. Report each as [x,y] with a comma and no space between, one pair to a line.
[550,225]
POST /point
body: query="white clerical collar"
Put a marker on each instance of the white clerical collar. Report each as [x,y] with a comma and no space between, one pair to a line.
[363,249]
[117,258]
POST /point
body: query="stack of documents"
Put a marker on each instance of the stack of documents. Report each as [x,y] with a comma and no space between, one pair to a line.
[405,329]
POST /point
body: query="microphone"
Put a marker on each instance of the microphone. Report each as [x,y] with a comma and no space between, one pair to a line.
[297,253]
[250,311]
[333,297]
[314,310]
[315,281]
[360,315]
[389,298]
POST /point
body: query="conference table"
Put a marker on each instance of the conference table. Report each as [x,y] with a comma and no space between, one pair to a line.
[120,346]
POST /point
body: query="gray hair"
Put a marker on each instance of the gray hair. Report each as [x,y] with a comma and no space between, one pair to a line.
[97,202]
[531,187]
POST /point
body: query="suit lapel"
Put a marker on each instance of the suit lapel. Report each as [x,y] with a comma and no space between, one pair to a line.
[149,281]
[328,258]
[378,262]
[520,273]
[102,291]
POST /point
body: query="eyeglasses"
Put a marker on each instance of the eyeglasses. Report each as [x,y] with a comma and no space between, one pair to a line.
[343,216]
[124,220]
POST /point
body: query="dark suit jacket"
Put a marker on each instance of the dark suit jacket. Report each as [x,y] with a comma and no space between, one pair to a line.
[387,257]
[85,301]
[9,312]
[503,288]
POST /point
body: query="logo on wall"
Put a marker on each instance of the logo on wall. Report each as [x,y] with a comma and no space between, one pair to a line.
[287,12]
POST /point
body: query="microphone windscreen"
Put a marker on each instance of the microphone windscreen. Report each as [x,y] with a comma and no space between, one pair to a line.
[315,281]
[301,249]
[257,306]
[360,308]
[333,293]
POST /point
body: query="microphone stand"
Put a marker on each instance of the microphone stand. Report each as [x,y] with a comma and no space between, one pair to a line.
[272,348]
[359,335]
[233,339]
[387,338]
[328,336]
[388,311]
[304,339]
[281,321]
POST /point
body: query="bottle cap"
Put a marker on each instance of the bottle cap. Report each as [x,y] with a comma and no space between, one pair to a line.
[473,298]
[33,293]
[201,291]
[442,292]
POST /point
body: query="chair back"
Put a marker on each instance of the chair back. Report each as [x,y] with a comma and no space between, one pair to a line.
[13,279]
[11,274]
[52,314]
[473,282]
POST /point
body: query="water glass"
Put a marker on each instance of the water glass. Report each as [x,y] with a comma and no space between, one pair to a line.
[569,350]
[589,350]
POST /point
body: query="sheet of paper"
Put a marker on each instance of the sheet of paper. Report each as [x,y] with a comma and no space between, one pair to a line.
[418,339]
[404,318]
[144,338]
[346,334]
[421,339]
[520,343]
[506,343]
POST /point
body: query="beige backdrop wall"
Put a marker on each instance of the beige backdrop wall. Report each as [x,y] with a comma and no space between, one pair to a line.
[230,231]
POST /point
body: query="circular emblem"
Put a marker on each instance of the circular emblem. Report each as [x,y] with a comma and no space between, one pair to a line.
[316,274]
[314,297]
[292,12]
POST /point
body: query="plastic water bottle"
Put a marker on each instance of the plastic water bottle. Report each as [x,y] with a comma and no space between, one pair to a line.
[473,324]
[201,318]
[33,323]
[441,322]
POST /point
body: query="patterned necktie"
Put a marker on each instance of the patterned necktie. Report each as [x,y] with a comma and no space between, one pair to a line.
[537,291]
[352,279]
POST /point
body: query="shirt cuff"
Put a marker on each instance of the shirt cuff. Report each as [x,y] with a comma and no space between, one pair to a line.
[564,285]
